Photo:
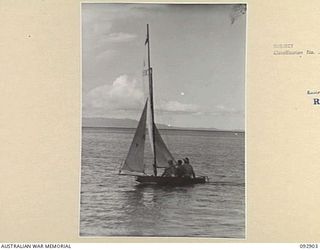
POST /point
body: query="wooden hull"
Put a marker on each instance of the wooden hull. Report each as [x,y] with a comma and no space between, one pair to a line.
[170,181]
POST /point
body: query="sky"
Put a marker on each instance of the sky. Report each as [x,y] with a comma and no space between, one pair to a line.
[197,56]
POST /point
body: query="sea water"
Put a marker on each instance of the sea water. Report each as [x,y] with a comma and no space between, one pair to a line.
[114,205]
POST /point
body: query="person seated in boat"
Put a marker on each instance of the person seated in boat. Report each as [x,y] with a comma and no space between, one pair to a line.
[169,171]
[180,169]
[188,169]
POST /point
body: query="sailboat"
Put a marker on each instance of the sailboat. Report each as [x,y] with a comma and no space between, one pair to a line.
[134,162]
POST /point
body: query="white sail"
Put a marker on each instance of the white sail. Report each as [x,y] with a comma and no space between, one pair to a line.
[162,152]
[134,161]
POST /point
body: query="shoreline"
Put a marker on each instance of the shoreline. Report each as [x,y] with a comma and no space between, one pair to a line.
[170,129]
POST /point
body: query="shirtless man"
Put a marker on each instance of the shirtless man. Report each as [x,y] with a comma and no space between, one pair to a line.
[188,169]
[169,171]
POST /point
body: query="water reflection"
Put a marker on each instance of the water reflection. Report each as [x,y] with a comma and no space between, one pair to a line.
[113,205]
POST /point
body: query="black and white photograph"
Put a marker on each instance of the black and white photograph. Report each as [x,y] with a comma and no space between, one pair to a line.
[163,120]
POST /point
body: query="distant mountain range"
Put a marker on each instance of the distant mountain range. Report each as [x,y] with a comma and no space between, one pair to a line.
[100,122]
[113,122]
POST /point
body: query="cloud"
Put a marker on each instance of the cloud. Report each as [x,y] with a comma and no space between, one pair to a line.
[223,109]
[219,110]
[120,37]
[178,107]
[125,97]
[105,55]
[123,94]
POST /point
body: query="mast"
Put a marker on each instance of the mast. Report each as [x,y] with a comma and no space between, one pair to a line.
[151,104]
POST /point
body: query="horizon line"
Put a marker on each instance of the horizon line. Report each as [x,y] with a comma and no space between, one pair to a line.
[176,128]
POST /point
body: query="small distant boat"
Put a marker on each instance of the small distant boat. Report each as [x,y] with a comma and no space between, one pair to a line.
[134,162]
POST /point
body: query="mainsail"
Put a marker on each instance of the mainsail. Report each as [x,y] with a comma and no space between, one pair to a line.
[134,161]
[162,152]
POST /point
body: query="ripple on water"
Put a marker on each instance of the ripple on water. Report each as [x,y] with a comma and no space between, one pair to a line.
[113,205]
